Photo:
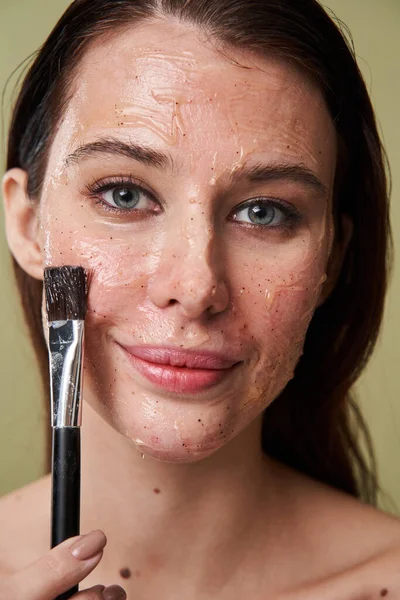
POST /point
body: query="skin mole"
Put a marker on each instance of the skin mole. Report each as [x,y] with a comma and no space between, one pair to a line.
[125,573]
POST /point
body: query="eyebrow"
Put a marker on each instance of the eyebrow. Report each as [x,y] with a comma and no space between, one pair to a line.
[112,147]
[297,173]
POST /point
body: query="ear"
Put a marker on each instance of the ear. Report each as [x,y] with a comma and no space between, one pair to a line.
[336,258]
[21,221]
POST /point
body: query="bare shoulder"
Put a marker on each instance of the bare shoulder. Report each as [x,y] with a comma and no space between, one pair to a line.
[352,549]
[25,524]
[372,579]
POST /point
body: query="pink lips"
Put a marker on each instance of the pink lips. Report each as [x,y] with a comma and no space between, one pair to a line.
[178,370]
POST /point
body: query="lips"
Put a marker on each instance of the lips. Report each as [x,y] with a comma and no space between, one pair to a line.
[181,358]
[178,370]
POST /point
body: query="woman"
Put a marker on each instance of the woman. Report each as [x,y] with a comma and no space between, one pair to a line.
[216,165]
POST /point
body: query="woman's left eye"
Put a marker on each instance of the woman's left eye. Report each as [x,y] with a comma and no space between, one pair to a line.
[266,213]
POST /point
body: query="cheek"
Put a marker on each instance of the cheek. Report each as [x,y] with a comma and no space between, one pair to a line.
[275,302]
[287,317]
[285,301]
[119,272]
[117,262]
[280,285]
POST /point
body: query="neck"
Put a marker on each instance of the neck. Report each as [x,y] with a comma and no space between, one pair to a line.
[163,517]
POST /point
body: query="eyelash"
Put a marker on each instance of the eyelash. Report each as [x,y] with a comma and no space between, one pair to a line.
[292,217]
[95,188]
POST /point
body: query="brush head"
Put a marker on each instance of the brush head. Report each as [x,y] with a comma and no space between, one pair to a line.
[66,291]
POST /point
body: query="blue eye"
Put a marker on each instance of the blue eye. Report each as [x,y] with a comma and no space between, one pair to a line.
[122,195]
[261,214]
[126,198]
[267,213]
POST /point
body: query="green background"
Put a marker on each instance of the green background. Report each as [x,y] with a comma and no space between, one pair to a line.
[375,25]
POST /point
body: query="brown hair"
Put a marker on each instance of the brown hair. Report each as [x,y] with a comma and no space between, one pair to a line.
[313,426]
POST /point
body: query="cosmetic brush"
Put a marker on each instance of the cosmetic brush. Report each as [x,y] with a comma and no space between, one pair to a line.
[66,298]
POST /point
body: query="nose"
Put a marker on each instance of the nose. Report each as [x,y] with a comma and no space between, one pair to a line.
[190,272]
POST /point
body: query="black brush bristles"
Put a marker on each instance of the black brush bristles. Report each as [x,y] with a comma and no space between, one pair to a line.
[66,290]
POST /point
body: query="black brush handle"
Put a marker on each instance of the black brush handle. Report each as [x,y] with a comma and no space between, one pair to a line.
[66,480]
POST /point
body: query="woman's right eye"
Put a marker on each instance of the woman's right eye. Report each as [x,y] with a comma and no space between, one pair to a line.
[126,198]
[123,196]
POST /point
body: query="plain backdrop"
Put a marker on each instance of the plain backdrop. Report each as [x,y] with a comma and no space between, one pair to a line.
[374,24]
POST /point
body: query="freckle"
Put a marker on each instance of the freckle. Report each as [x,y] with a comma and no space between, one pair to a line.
[156,490]
[125,573]
[384,592]
[138,573]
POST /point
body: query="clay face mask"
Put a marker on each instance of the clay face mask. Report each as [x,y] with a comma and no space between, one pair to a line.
[199,195]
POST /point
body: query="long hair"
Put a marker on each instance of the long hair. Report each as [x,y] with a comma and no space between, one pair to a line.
[314,425]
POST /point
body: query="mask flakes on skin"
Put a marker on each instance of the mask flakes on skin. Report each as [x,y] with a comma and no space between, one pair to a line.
[152,272]
[160,111]
[56,177]
[166,109]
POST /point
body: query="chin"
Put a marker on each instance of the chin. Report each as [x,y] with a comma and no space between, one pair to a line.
[180,432]
[176,455]
[177,451]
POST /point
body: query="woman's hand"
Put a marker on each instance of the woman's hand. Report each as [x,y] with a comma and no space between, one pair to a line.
[59,570]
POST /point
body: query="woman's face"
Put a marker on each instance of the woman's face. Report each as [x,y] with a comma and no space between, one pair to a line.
[196,187]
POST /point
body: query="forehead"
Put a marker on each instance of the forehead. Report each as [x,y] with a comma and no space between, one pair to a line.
[164,83]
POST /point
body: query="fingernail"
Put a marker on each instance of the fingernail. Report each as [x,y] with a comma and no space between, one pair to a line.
[114,592]
[89,545]
[97,589]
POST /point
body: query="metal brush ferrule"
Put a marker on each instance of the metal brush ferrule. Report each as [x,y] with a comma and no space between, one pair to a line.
[66,340]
